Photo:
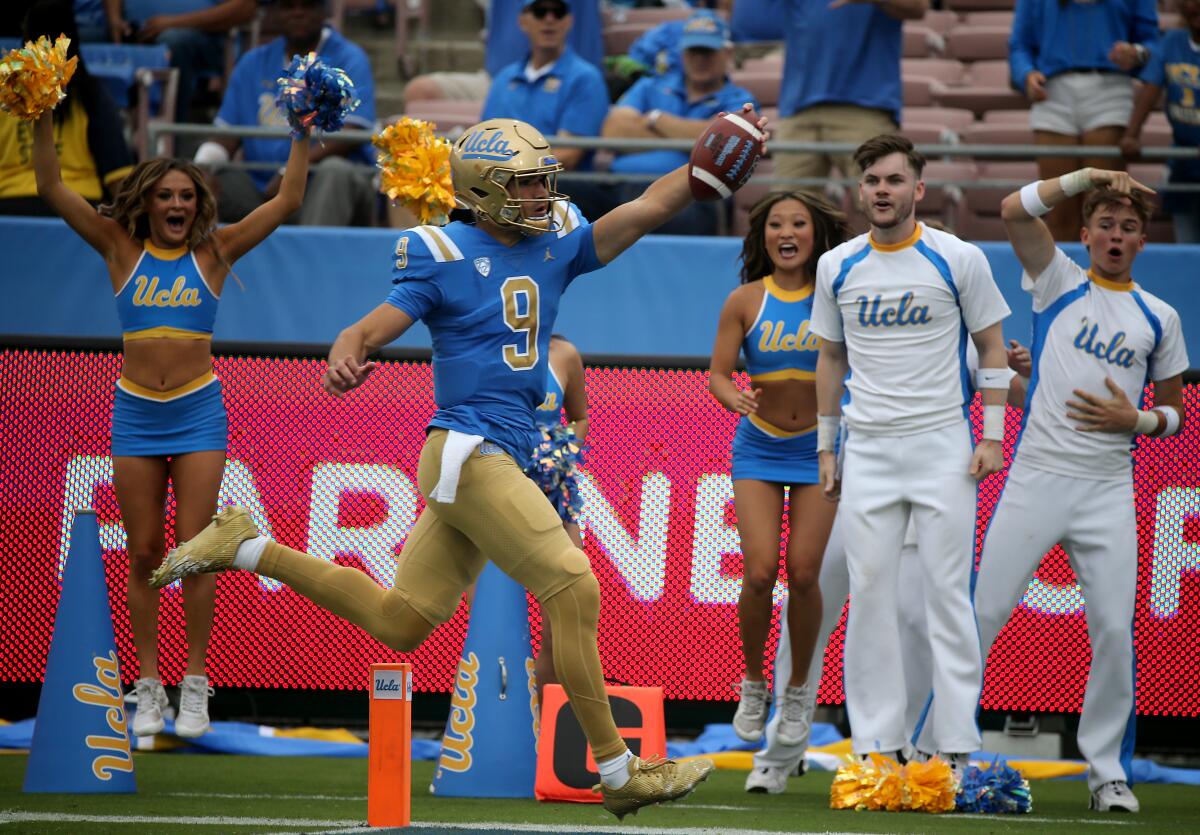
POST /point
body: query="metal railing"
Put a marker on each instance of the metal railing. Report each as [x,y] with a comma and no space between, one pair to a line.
[932,151]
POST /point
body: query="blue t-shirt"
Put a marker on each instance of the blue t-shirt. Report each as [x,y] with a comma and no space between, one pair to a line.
[758,20]
[490,309]
[1175,66]
[139,11]
[1052,38]
[848,55]
[669,95]
[250,97]
[571,97]
[507,44]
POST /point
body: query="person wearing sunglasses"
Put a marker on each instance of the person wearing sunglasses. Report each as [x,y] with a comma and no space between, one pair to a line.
[551,88]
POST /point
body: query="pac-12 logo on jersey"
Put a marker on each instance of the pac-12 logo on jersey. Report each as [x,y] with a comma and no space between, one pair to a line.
[1111,351]
[871,314]
[481,146]
[484,266]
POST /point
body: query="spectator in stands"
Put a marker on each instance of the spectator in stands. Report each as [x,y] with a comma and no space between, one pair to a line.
[91,18]
[678,106]
[841,78]
[1073,61]
[87,129]
[192,30]
[340,190]
[658,48]
[505,45]
[1174,64]
[552,88]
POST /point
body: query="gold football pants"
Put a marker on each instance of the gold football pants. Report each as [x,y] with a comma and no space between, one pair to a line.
[498,515]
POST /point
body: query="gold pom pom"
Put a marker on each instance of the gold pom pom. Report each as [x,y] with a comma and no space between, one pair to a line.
[416,169]
[882,784]
[33,79]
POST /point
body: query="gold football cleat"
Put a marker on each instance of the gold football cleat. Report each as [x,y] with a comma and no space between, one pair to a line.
[210,550]
[654,781]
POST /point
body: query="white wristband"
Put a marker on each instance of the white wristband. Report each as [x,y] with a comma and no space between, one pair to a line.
[1147,423]
[211,153]
[1173,421]
[993,378]
[1076,182]
[993,423]
[1032,201]
[827,432]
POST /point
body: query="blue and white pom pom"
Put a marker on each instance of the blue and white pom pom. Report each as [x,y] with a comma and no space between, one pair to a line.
[554,467]
[315,95]
[998,789]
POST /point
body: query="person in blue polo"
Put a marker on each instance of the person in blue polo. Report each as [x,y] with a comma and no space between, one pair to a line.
[553,89]
[678,106]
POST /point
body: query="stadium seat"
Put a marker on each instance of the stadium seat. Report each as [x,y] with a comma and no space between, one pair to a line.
[620,36]
[648,16]
[946,70]
[949,117]
[928,134]
[977,43]
[984,89]
[763,85]
[767,63]
[943,197]
[989,18]
[998,133]
[1156,133]
[940,21]
[448,117]
[981,218]
[917,91]
[1007,117]
[920,41]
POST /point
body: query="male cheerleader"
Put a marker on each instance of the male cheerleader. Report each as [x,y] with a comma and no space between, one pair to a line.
[489,291]
[778,759]
[894,308]
[1098,337]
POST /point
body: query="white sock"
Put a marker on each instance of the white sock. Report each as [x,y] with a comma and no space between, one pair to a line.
[249,552]
[614,773]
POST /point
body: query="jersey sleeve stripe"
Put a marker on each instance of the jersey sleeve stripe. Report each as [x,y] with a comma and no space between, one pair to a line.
[1155,323]
[844,270]
[436,248]
[939,263]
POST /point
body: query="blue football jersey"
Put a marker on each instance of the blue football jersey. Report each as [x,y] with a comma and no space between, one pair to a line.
[490,309]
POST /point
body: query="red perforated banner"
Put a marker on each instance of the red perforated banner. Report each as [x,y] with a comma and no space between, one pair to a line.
[335,477]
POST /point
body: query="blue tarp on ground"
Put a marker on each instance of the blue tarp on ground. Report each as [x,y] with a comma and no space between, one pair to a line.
[257,740]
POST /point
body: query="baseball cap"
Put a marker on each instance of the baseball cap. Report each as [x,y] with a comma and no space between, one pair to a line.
[565,3]
[704,31]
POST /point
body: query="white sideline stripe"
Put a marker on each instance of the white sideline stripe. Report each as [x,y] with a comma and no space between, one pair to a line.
[331,827]
[711,181]
[351,797]
[744,125]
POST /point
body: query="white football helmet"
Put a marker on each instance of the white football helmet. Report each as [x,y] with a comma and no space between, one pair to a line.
[494,155]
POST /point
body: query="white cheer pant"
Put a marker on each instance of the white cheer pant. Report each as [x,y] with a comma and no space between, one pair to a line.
[885,479]
[1096,525]
[835,586]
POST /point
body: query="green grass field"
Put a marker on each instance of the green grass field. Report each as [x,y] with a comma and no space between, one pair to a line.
[217,794]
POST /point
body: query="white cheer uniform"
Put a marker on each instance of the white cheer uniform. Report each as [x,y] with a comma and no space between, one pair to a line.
[835,586]
[1076,488]
[904,312]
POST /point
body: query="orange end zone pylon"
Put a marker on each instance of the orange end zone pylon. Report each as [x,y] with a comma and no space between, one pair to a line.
[389,758]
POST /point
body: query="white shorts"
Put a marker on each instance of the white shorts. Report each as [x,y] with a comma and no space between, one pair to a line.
[1083,100]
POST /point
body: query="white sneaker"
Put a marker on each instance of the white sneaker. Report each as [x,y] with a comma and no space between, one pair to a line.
[767,779]
[151,705]
[193,706]
[751,716]
[958,765]
[1114,797]
[795,723]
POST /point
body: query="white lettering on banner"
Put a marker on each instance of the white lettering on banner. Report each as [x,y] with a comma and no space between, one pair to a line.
[375,545]
[1172,553]
[87,472]
[712,539]
[642,563]
[238,487]
[1053,599]
[84,474]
